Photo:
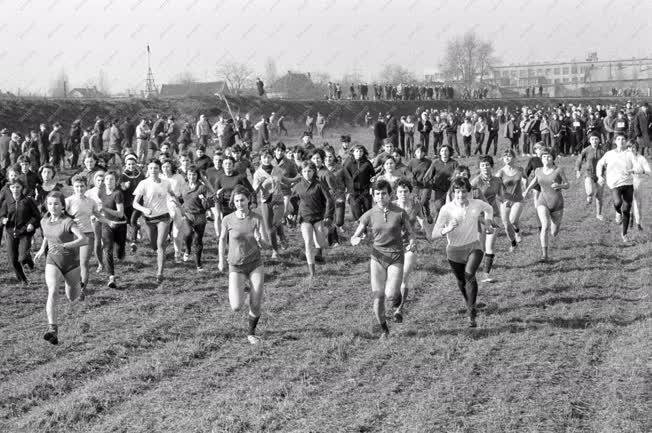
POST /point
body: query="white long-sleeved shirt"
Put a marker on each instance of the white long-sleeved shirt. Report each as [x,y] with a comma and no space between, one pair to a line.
[640,164]
[466,231]
[619,166]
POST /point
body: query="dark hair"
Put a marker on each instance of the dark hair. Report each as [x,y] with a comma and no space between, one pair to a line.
[280,145]
[311,165]
[192,168]
[365,152]
[154,161]
[509,152]
[381,185]
[91,155]
[300,152]
[633,144]
[459,170]
[266,151]
[58,195]
[319,152]
[405,183]
[460,183]
[173,166]
[23,159]
[184,153]
[328,149]
[450,149]
[239,189]
[487,159]
[201,147]
[78,179]
[420,147]
[113,173]
[47,165]
[229,158]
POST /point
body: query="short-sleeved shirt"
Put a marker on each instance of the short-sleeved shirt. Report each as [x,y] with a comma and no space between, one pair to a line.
[386,227]
[155,195]
[81,209]
[489,189]
[57,233]
[191,199]
[111,201]
[243,246]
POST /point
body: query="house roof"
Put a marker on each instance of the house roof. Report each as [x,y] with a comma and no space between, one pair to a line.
[194,89]
[87,92]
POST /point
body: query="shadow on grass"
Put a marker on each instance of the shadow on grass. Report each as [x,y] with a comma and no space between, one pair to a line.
[493,309]
[586,322]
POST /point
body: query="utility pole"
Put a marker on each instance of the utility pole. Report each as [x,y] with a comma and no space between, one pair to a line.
[151,91]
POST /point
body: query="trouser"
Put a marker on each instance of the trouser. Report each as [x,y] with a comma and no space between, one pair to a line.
[58,154]
[526,144]
[18,253]
[45,154]
[423,195]
[113,240]
[359,203]
[272,214]
[493,139]
[546,139]
[513,144]
[437,140]
[623,196]
[424,140]
[194,236]
[467,145]
[75,151]
[451,140]
[409,144]
[479,140]
[141,150]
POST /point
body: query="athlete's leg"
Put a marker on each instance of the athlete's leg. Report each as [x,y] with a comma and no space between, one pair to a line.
[470,269]
[255,298]
[161,242]
[72,280]
[505,210]
[378,277]
[85,258]
[637,203]
[545,219]
[458,271]
[52,278]
[599,193]
[236,290]
[408,266]
[393,285]
[555,221]
[307,232]
[627,193]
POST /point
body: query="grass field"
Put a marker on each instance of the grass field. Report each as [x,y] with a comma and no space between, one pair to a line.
[561,347]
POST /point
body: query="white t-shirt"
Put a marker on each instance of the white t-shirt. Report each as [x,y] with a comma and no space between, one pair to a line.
[155,195]
[466,231]
[81,209]
[640,164]
[619,167]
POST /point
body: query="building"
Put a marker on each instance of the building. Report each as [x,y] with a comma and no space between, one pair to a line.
[194,89]
[433,76]
[590,73]
[86,92]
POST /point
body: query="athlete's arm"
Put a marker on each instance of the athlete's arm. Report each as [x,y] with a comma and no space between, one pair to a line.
[564,182]
[222,247]
[80,238]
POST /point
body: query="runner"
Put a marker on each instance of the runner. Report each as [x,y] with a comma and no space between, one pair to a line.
[267,182]
[513,179]
[48,184]
[458,221]
[591,155]
[618,166]
[155,193]
[129,180]
[20,216]
[412,207]
[178,183]
[389,225]
[226,182]
[242,235]
[195,203]
[489,189]
[550,203]
[641,172]
[93,194]
[359,172]
[314,211]
[441,171]
[83,210]
[61,239]
[113,224]
[339,194]
[389,174]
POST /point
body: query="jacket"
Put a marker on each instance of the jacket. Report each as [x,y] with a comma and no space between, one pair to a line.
[359,175]
[316,202]
[20,213]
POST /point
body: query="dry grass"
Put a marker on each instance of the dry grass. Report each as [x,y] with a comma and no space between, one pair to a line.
[561,347]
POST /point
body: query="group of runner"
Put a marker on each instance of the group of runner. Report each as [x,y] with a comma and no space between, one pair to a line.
[254,199]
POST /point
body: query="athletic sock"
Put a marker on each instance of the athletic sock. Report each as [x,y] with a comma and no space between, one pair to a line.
[397,300]
[516,229]
[626,218]
[488,262]
[253,322]
[514,242]
[384,327]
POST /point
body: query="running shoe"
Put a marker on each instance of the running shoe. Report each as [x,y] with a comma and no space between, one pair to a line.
[51,335]
[112,284]
[626,239]
[599,217]
[100,268]
[200,269]
[284,244]
[274,255]
[159,280]
[589,199]
[253,339]
[512,248]
[639,227]
[177,258]
[82,294]
[489,280]
[517,237]
[335,245]
[473,323]
[398,317]
[619,218]
[384,336]
[186,257]
[133,247]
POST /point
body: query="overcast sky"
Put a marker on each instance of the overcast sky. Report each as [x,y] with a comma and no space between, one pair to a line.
[42,37]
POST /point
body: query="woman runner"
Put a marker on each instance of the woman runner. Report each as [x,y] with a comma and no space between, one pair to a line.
[458,221]
[62,239]
[93,194]
[315,207]
[550,202]
[641,171]
[412,207]
[512,177]
[489,189]
[155,193]
[113,224]
[194,206]
[389,225]
[83,210]
[616,168]
[242,230]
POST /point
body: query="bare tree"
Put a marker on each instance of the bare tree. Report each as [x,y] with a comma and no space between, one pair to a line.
[468,58]
[60,86]
[237,75]
[396,74]
[184,78]
[103,83]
